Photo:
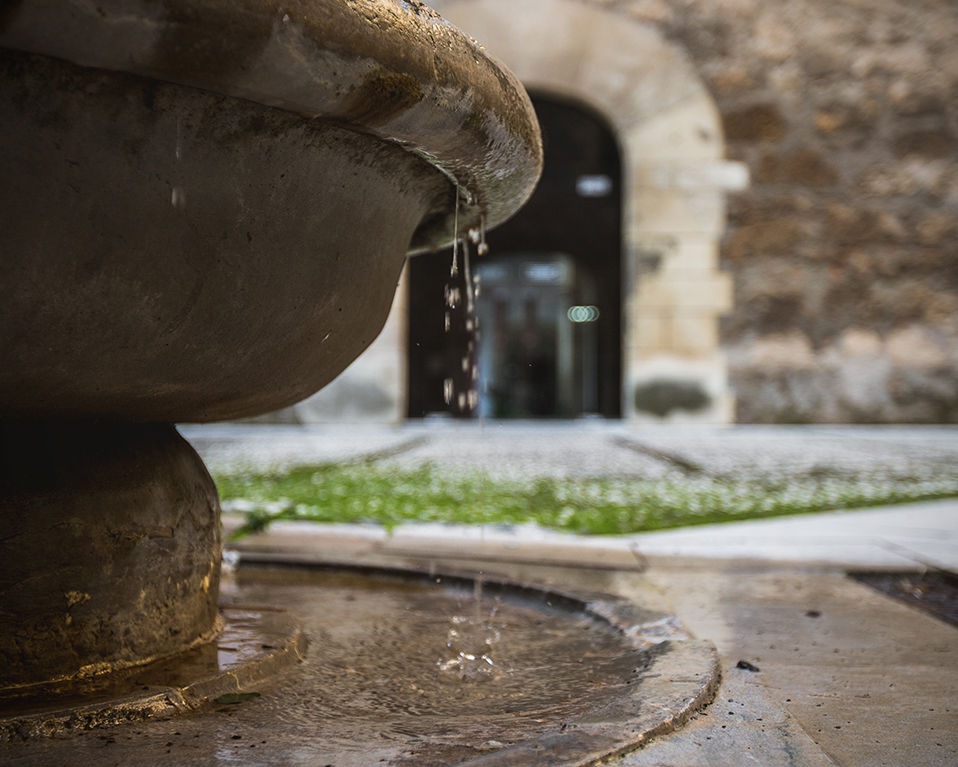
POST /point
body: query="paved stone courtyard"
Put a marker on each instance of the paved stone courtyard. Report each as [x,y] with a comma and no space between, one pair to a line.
[845,675]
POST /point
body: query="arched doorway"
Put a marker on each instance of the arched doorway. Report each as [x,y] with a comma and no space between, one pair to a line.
[549,306]
[674,181]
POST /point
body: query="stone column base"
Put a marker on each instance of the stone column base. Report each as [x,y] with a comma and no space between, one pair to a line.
[110,547]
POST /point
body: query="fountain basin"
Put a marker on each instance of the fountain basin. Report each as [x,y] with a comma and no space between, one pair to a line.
[580,676]
[207,205]
[205,208]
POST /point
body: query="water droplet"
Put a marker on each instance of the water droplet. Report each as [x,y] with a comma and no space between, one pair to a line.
[461,400]
[453,297]
[447,390]
[477,596]
[470,306]
[454,269]
[447,322]
[483,248]
[465,363]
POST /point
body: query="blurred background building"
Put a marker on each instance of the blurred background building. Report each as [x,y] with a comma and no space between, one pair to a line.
[749,213]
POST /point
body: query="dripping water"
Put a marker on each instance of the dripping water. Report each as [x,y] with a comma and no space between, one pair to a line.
[451,296]
[454,269]
[473,286]
[464,397]
[477,596]
[470,365]
[461,389]
[482,248]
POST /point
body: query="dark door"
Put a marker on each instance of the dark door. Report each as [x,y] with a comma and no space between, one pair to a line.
[549,306]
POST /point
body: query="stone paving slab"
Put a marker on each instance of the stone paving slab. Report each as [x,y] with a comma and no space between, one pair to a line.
[521,452]
[742,726]
[872,681]
[751,451]
[909,535]
[352,543]
[608,449]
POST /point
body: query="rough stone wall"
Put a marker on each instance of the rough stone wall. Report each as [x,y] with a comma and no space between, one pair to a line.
[844,251]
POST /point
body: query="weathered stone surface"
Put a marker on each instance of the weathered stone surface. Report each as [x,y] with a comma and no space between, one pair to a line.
[933,144]
[174,255]
[769,237]
[207,206]
[396,71]
[109,547]
[762,122]
[908,375]
[802,167]
[842,111]
[254,645]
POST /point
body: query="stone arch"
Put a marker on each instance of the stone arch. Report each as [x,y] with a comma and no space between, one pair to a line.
[674,182]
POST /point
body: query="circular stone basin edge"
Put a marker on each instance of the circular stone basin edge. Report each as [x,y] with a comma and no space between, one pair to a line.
[681,678]
[255,645]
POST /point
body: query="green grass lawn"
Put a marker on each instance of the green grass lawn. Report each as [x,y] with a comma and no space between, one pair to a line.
[366,493]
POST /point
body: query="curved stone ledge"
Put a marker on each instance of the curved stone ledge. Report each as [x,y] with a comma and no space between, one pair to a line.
[255,645]
[170,254]
[679,676]
[394,70]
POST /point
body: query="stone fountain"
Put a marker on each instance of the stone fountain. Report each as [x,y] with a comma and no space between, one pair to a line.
[205,208]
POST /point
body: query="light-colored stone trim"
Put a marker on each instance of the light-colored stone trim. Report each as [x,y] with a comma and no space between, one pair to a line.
[674,181]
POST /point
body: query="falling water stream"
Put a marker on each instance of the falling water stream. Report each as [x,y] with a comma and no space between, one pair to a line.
[464,400]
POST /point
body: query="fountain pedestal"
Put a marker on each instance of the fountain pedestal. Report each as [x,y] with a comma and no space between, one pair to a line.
[109,547]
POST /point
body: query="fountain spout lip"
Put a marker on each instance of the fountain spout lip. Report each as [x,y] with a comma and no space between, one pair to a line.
[392,69]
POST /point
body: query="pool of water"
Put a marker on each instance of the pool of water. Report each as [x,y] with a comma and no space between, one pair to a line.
[380,652]
[378,685]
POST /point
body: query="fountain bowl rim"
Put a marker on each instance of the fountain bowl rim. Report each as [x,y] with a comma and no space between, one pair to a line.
[394,70]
